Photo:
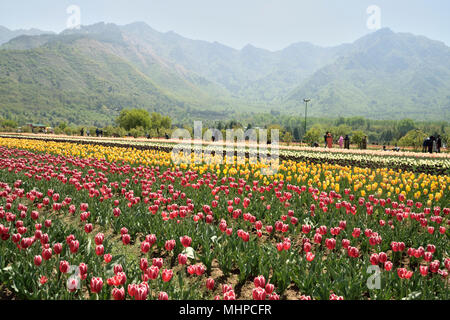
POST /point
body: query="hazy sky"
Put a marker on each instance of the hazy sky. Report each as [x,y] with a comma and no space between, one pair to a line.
[270,24]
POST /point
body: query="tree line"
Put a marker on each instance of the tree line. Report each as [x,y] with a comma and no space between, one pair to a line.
[141,123]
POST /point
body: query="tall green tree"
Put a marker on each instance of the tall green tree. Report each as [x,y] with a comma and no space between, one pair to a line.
[133,118]
[413,138]
[313,135]
[405,126]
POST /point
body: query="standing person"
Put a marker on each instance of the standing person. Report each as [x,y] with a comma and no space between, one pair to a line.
[430,144]
[325,138]
[97,132]
[82,132]
[87,132]
[425,144]
[435,145]
[329,140]
[438,144]
[364,143]
[341,141]
[346,142]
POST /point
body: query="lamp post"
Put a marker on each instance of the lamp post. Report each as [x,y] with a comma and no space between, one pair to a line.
[306,110]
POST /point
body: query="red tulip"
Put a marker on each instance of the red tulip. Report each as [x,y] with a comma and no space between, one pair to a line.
[82,268]
[34,215]
[191,269]
[145,246]
[200,269]
[96,284]
[107,257]
[143,265]
[374,259]
[388,266]
[317,238]
[345,243]
[182,259]
[286,244]
[185,241]
[37,260]
[99,250]
[382,257]
[116,212]
[428,256]
[163,296]
[167,275]
[259,294]
[74,245]
[259,281]
[118,293]
[153,272]
[336,297]
[307,246]
[423,270]
[64,266]
[353,252]
[330,243]
[210,284]
[269,288]
[434,266]
[170,244]
[47,253]
[310,256]
[141,292]
[274,297]
[229,295]
[99,238]
[158,262]
[126,239]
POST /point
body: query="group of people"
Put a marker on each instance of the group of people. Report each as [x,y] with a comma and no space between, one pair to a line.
[432,144]
[98,132]
[343,142]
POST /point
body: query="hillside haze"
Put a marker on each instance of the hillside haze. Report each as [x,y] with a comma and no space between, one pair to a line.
[7,34]
[88,75]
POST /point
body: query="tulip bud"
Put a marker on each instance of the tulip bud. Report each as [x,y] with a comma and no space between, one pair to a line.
[210,283]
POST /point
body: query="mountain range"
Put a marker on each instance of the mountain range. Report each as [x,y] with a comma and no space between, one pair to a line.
[88,75]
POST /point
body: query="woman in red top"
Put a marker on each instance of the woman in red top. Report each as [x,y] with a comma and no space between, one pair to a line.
[329,140]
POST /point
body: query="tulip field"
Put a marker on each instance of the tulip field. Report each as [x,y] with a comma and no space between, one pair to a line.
[92,221]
